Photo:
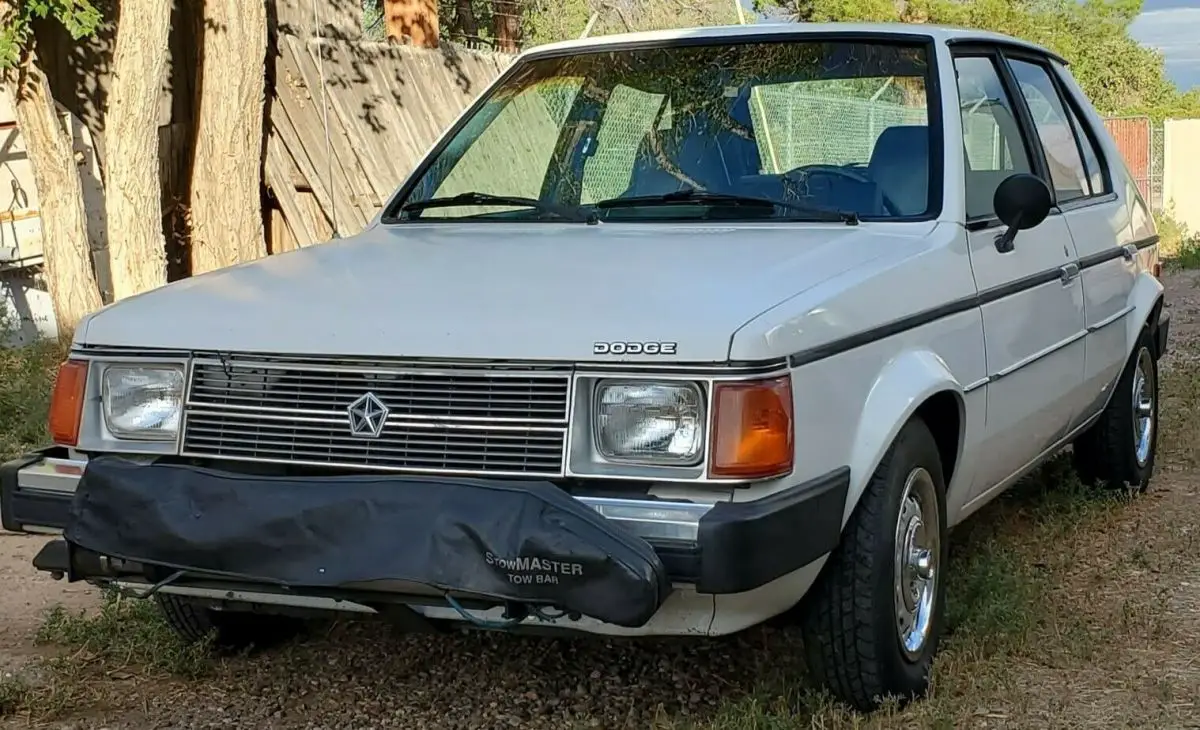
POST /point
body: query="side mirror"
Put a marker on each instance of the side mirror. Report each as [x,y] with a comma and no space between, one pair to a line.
[1021,202]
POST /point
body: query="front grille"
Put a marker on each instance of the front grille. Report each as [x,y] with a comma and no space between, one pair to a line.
[503,420]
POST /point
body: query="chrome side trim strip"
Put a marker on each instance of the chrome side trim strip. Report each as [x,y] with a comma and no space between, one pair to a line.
[1030,359]
[977,384]
[1110,319]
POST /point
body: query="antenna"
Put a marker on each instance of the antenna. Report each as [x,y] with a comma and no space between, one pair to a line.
[325,118]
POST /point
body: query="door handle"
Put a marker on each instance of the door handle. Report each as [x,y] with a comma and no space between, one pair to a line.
[1068,273]
[1129,252]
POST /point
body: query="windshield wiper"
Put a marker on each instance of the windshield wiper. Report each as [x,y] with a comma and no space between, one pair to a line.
[476,198]
[691,195]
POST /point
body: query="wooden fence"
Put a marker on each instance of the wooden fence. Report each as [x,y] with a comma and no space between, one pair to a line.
[1133,138]
[349,120]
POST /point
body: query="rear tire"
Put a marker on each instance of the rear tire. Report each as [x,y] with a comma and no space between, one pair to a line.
[872,622]
[193,621]
[1119,449]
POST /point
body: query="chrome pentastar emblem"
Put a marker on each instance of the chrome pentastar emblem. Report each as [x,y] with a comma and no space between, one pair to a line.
[367,416]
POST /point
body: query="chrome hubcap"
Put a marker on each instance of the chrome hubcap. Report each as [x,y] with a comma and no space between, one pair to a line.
[1143,406]
[915,574]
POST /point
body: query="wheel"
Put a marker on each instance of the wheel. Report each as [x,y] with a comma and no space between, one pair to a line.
[872,621]
[193,621]
[1118,450]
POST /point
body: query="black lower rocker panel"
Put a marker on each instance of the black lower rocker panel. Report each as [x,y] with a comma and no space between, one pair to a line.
[519,541]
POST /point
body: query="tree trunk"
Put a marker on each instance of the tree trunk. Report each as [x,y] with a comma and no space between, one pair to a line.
[506,25]
[67,256]
[226,208]
[133,185]
[416,20]
[465,22]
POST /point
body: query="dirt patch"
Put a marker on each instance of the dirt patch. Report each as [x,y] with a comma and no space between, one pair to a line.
[26,597]
[1122,621]
[1183,302]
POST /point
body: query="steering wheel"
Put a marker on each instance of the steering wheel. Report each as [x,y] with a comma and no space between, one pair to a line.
[838,171]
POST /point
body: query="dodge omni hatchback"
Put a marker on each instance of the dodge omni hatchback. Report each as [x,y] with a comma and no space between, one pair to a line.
[668,334]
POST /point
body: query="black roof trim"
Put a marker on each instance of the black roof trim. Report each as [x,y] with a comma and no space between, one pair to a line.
[1014,45]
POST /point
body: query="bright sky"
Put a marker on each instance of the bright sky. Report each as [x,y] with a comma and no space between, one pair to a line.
[1173,27]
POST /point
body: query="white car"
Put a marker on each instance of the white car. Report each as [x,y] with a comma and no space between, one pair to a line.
[669,334]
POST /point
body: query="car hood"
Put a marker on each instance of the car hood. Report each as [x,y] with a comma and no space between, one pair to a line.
[497,291]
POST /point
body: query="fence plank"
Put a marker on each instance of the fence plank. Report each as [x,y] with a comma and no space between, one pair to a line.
[303,128]
[350,93]
[358,191]
[279,178]
[388,103]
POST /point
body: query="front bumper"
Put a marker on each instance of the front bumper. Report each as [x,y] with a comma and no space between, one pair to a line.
[722,548]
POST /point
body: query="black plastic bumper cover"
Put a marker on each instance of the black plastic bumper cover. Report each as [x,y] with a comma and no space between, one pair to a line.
[18,509]
[526,541]
[27,509]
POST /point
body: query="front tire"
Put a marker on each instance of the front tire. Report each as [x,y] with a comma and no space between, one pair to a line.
[1119,449]
[193,622]
[872,622]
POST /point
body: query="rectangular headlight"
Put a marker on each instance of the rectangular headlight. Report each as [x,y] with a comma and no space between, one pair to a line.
[143,403]
[649,422]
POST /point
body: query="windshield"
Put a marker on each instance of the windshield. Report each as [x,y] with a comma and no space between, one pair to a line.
[799,129]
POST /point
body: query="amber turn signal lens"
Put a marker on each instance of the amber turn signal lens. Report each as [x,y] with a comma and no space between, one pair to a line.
[66,404]
[752,429]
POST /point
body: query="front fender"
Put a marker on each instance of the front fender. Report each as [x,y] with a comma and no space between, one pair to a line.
[907,381]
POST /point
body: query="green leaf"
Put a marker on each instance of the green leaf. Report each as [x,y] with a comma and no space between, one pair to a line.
[80,18]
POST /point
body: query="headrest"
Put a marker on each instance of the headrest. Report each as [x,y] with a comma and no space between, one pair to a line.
[900,167]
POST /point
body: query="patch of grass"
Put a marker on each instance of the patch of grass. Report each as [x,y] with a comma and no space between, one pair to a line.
[991,599]
[1187,255]
[1179,247]
[1179,415]
[1058,503]
[26,379]
[127,639]
[773,707]
[14,691]
[126,632]
[1171,232]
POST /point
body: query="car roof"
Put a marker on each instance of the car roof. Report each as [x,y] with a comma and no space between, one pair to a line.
[776,30]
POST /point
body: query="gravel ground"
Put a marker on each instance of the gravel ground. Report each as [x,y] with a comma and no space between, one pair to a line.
[471,681]
[1129,661]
